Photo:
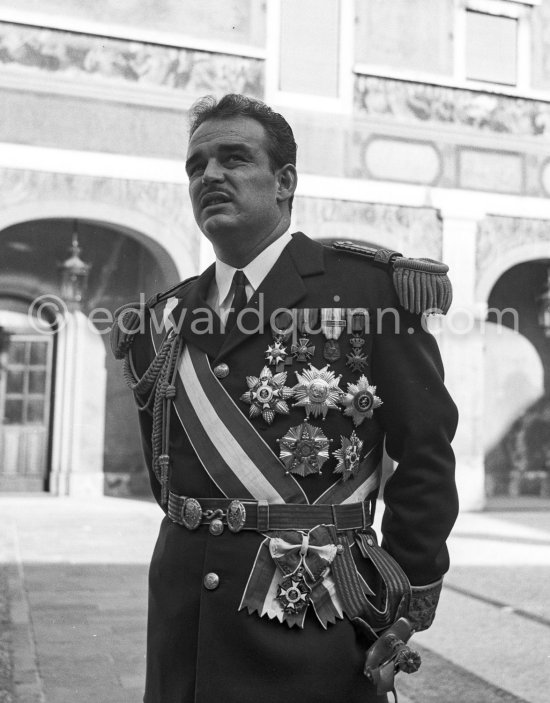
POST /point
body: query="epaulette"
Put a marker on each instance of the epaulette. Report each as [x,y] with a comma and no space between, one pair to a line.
[422,285]
[129,319]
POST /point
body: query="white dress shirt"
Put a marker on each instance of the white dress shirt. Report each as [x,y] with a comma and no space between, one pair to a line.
[221,292]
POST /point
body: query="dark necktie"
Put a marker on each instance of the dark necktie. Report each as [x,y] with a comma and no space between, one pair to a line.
[239,299]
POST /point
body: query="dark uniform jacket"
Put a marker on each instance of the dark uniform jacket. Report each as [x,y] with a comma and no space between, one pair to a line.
[200,647]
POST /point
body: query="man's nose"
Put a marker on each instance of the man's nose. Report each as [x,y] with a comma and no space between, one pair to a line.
[213,172]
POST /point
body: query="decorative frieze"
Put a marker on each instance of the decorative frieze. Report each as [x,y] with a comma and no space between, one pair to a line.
[413,231]
[75,57]
[163,202]
[409,101]
[502,234]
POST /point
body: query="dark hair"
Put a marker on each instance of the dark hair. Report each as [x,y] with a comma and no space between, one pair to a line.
[281,147]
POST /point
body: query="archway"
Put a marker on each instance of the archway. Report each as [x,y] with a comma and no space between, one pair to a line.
[104,441]
[517,375]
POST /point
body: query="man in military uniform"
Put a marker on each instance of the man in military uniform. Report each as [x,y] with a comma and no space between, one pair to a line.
[266,387]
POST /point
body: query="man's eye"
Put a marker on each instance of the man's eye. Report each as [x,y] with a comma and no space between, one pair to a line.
[195,170]
[232,158]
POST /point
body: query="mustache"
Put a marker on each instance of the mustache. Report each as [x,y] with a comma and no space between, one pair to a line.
[214,195]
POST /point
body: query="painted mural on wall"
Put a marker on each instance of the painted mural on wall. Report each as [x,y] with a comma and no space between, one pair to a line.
[241,21]
[33,50]
[413,231]
[406,100]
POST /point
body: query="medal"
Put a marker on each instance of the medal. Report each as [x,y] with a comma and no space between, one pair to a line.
[331,350]
[360,401]
[332,324]
[357,320]
[267,395]
[303,449]
[293,593]
[275,353]
[356,360]
[281,328]
[349,456]
[303,351]
[317,391]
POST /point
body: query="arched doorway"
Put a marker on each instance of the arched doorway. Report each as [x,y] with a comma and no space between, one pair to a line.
[517,387]
[90,441]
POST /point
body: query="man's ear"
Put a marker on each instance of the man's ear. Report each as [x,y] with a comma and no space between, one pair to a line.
[287,178]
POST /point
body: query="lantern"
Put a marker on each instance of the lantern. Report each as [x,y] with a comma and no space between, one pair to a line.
[74,275]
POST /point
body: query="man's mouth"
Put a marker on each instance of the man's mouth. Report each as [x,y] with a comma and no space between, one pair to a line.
[215,198]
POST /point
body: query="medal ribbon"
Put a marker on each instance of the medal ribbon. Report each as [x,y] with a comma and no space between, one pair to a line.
[308,319]
[333,322]
[279,558]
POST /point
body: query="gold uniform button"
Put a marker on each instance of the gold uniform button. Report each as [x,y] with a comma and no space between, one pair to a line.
[221,370]
[211,581]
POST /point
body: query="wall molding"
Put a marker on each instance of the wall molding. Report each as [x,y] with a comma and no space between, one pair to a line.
[135,168]
[119,31]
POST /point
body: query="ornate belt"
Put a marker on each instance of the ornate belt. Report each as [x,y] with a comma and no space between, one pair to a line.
[262,516]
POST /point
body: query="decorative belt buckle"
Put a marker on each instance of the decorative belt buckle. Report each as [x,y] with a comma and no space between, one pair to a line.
[236,516]
[191,513]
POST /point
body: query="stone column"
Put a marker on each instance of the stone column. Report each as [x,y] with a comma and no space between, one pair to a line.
[79,410]
[461,342]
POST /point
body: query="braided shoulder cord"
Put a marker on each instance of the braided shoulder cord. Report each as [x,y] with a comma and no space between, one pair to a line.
[157,387]
[164,393]
[143,385]
[143,388]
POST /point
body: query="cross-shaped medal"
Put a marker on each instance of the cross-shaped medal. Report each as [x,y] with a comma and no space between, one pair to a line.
[303,351]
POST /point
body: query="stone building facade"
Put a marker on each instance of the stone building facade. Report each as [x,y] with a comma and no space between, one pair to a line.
[422,125]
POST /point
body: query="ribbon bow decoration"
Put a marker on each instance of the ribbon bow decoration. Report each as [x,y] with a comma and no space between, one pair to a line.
[306,550]
[292,570]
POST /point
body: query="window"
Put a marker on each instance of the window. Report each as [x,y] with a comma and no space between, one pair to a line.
[491,48]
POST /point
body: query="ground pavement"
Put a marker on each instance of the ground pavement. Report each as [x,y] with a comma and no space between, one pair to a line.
[73,605]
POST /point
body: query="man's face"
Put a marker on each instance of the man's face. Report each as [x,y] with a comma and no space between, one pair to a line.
[232,187]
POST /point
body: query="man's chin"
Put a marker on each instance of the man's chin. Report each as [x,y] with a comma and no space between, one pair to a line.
[218,225]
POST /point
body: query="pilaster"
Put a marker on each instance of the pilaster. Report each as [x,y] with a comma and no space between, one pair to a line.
[79,410]
[462,347]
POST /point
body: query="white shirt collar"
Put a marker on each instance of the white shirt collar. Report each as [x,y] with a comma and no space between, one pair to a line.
[255,273]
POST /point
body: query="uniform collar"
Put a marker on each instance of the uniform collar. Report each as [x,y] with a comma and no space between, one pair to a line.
[255,272]
[283,287]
